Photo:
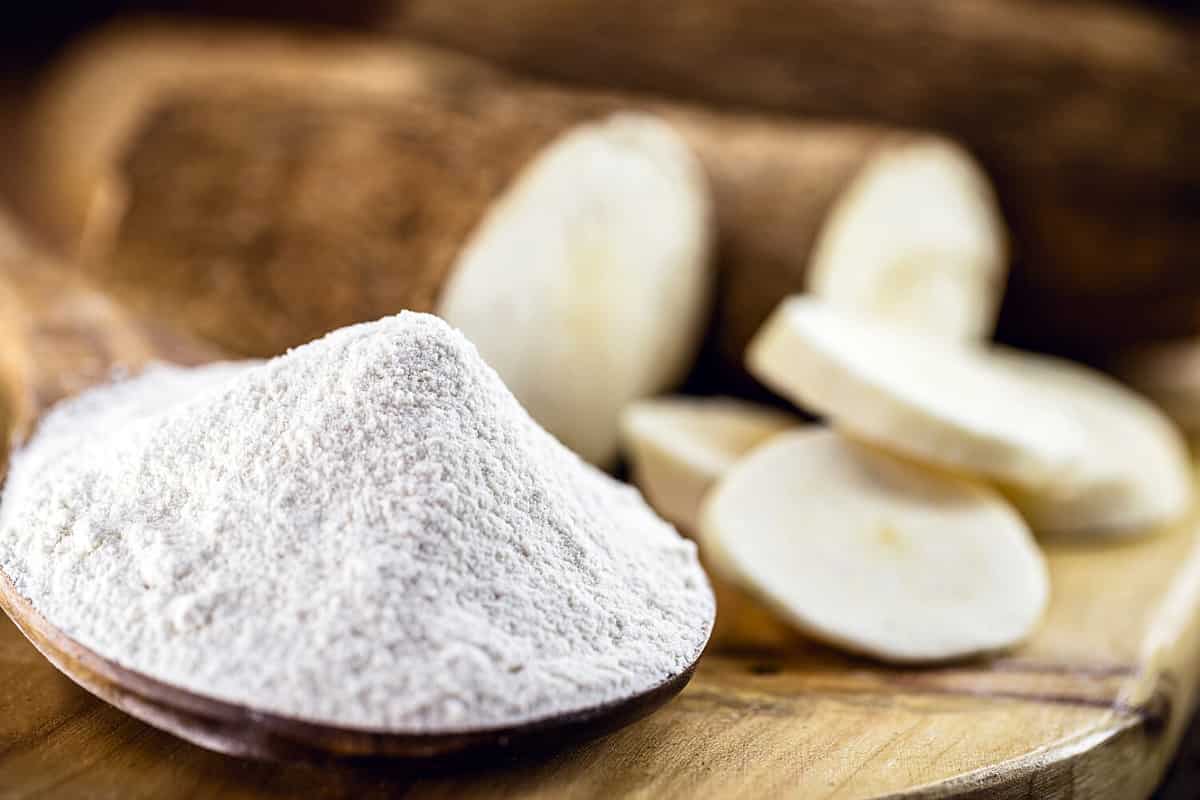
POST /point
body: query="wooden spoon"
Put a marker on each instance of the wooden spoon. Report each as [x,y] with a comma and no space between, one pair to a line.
[59,336]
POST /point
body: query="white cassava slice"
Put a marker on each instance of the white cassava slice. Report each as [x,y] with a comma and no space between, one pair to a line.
[875,554]
[1138,471]
[938,401]
[679,446]
[917,239]
[587,285]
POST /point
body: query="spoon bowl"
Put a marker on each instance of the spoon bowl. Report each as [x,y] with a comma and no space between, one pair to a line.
[243,731]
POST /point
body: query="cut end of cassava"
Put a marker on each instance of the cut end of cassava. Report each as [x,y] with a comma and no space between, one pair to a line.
[1137,474]
[678,447]
[916,239]
[875,554]
[941,402]
[586,286]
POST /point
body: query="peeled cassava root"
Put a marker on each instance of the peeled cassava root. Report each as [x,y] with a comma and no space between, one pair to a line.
[1079,453]
[679,447]
[343,183]
[875,554]
[50,316]
[1090,136]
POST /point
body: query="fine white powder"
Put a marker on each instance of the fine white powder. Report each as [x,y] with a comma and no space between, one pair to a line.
[367,531]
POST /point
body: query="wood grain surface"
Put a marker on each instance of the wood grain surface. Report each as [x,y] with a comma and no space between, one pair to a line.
[1092,707]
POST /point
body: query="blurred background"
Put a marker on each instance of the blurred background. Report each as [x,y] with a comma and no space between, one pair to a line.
[223,167]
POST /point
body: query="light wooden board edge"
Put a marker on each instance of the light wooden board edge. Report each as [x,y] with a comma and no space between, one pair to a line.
[1131,751]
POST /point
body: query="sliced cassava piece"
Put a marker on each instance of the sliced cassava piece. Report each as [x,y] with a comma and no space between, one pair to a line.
[1139,462]
[830,209]
[944,403]
[874,554]
[1090,136]
[1169,374]
[916,239]
[586,285]
[678,447]
[1078,452]
[308,231]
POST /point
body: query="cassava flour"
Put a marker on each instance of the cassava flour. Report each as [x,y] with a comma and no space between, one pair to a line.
[367,531]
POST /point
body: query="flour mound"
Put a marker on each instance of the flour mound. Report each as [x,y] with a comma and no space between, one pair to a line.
[368,531]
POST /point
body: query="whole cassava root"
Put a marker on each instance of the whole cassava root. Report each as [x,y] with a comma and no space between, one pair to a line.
[97,94]
[341,181]
[263,219]
[1085,114]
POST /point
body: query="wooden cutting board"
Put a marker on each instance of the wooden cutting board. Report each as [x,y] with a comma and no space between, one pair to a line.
[1093,707]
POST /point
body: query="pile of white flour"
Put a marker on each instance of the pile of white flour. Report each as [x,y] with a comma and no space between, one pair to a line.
[368,531]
